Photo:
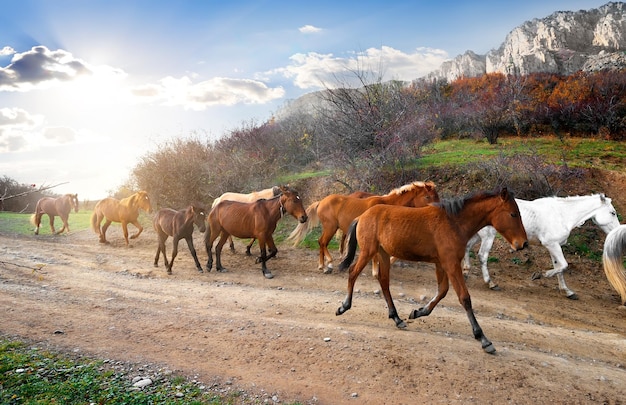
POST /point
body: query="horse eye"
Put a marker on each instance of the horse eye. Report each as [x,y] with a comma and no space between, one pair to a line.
[514,214]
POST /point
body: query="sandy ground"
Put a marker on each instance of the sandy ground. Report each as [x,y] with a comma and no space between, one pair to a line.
[281,336]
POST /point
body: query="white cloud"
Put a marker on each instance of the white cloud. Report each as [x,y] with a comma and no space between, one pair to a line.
[60,134]
[199,96]
[6,51]
[315,70]
[309,29]
[41,67]
[16,128]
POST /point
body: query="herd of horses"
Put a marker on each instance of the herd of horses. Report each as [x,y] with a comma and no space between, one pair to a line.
[409,223]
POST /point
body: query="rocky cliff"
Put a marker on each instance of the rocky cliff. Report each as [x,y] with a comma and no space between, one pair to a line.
[563,42]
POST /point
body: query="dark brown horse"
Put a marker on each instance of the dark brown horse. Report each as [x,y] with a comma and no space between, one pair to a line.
[437,234]
[337,211]
[61,206]
[179,225]
[125,211]
[251,220]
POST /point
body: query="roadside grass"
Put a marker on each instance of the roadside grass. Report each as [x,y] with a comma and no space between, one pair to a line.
[29,375]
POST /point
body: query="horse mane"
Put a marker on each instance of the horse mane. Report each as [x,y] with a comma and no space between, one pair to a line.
[411,186]
[453,206]
[276,190]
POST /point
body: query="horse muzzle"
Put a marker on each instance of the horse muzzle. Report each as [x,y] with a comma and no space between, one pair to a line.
[515,246]
[303,219]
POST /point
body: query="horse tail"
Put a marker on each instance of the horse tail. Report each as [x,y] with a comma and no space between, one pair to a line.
[351,241]
[614,247]
[303,228]
[33,218]
[94,221]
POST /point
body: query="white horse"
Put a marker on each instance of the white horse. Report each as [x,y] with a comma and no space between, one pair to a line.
[614,247]
[549,222]
[247,198]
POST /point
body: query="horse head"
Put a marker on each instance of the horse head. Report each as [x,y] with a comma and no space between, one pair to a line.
[199,217]
[507,219]
[605,216]
[74,202]
[420,193]
[291,202]
[141,200]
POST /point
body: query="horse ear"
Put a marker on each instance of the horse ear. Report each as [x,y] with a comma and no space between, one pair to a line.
[504,194]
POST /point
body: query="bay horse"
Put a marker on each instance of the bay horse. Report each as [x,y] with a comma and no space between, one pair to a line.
[179,225]
[247,198]
[437,233]
[61,206]
[337,211]
[251,220]
[612,261]
[125,211]
[549,221]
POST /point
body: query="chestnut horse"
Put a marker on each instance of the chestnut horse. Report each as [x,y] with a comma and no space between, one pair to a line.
[125,211]
[251,220]
[437,234]
[61,206]
[250,197]
[612,260]
[179,225]
[337,211]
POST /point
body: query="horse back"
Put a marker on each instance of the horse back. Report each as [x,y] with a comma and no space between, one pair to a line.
[165,220]
[343,209]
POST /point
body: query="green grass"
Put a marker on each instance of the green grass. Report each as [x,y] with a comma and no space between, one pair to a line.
[33,376]
[576,152]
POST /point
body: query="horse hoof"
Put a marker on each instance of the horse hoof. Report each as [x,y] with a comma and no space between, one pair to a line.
[268,275]
[622,308]
[413,314]
[494,287]
[489,348]
[573,297]
[536,275]
[328,270]
[401,325]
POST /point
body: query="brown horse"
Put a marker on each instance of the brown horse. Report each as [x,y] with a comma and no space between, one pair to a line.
[125,211]
[437,234]
[251,220]
[61,206]
[337,211]
[247,198]
[178,225]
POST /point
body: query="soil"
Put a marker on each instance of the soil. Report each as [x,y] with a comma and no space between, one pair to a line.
[281,338]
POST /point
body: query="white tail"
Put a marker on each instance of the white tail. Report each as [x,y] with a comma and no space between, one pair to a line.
[614,247]
[303,228]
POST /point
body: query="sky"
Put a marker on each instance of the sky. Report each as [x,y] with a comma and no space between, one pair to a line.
[88,88]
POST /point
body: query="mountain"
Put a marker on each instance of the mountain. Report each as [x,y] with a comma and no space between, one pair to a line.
[564,42]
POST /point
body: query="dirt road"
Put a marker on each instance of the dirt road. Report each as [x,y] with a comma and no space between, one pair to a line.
[281,336]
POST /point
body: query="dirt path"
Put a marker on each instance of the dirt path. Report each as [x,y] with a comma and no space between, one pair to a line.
[281,336]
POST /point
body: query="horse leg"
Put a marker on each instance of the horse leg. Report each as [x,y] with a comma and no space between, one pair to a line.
[442,290]
[354,271]
[125,231]
[103,231]
[51,218]
[326,260]
[66,226]
[264,257]
[383,279]
[192,249]
[232,244]
[160,247]
[139,230]
[218,251]
[483,256]
[250,247]
[458,283]
[467,263]
[175,241]
[560,265]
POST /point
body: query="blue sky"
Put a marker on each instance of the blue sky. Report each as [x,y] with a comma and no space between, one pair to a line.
[89,87]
